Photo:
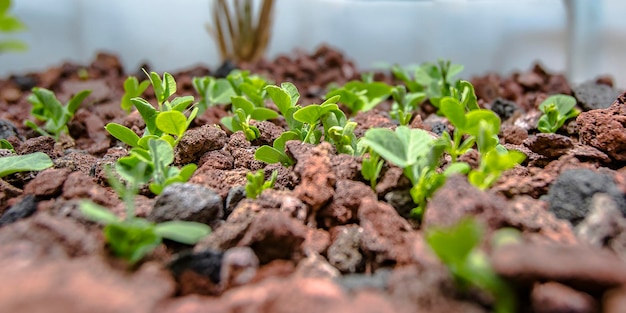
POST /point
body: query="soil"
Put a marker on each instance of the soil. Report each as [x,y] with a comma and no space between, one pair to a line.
[322,240]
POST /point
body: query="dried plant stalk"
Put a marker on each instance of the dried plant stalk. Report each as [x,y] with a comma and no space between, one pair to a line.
[239,34]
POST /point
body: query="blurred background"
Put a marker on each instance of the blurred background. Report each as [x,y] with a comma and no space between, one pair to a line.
[583,38]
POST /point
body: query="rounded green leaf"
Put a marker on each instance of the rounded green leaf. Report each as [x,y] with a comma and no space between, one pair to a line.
[172,122]
[123,134]
[23,163]
[182,231]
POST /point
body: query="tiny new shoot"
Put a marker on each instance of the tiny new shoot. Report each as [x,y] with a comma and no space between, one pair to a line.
[132,89]
[457,248]
[467,127]
[244,112]
[213,91]
[257,183]
[360,96]
[405,104]
[132,238]
[557,109]
[250,86]
[371,167]
[47,108]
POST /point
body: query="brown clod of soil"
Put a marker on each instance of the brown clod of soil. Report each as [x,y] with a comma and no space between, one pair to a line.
[605,129]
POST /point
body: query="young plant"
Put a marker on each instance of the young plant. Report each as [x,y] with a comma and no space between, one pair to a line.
[47,108]
[251,86]
[24,163]
[168,122]
[436,80]
[132,89]
[244,112]
[286,99]
[494,159]
[5,144]
[157,160]
[457,248]
[212,91]
[468,125]
[132,238]
[10,24]
[417,153]
[371,167]
[257,183]
[405,104]
[557,109]
[360,96]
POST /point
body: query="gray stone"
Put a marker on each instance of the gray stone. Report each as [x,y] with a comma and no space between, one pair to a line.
[187,202]
[571,194]
[239,266]
[7,129]
[344,252]
[592,95]
[25,208]
[235,195]
[378,280]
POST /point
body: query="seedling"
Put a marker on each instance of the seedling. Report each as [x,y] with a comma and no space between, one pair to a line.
[361,96]
[212,91]
[315,114]
[405,104]
[24,163]
[168,122]
[157,159]
[469,125]
[492,165]
[132,89]
[257,183]
[557,109]
[47,108]
[417,153]
[10,24]
[436,80]
[132,238]
[5,144]
[244,112]
[457,248]
[371,167]
[286,98]
[250,86]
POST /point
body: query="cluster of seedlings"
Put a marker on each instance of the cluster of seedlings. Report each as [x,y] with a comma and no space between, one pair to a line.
[425,158]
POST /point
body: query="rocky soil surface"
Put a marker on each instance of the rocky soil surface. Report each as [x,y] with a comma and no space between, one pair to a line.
[322,240]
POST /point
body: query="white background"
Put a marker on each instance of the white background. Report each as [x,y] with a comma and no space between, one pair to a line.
[483,35]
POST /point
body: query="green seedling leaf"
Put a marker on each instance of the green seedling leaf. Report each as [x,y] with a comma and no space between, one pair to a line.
[97,213]
[76,100]
[5,144]
[557,110]
[180,104]
[453,245]
[23,163]
[123,134]
[404,147]
[474,118]
[132,89]
[262,114]
[454,111]
[182,231]
[172,122]
[311,114]
[148,113]
[132,239]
